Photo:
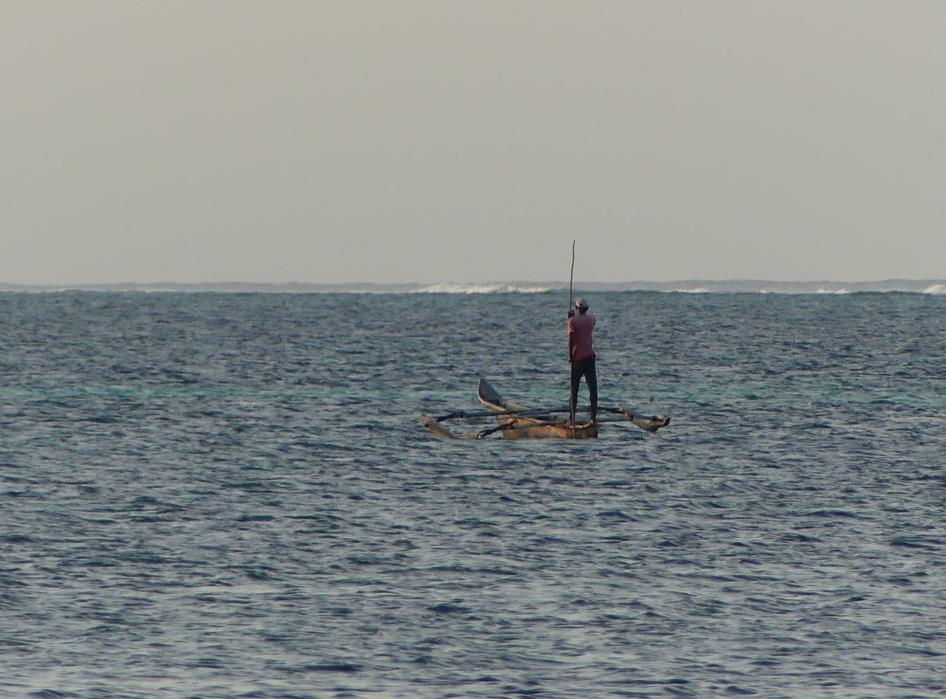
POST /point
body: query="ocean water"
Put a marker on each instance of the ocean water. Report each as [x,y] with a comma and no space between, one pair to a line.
[230,495]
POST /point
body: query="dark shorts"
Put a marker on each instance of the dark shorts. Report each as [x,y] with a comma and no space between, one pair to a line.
[585,368]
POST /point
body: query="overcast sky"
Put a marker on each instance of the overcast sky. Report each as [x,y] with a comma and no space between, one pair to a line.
[273,141]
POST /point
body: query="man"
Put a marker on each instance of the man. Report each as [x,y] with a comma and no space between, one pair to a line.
[582,356]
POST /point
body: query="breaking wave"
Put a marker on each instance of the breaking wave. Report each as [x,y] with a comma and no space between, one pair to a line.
[481,289]
[936,289]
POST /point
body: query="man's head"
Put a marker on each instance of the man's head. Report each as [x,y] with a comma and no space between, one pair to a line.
[581,305]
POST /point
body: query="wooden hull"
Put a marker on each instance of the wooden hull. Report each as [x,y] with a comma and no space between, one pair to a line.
[538,427]
[529,428]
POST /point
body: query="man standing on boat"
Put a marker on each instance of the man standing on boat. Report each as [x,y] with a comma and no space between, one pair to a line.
[582,356]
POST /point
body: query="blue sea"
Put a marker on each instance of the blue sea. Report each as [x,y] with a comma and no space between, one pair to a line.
[228,494]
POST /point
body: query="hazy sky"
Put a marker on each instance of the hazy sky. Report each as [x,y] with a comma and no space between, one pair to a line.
[273,140]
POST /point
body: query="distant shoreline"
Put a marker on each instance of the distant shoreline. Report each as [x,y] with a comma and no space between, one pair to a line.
[694,286]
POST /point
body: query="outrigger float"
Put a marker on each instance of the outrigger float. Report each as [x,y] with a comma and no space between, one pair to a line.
[517,421]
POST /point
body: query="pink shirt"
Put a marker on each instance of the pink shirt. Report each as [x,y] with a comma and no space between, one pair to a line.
[579,330]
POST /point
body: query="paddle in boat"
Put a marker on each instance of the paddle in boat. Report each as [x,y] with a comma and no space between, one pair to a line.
[518,421]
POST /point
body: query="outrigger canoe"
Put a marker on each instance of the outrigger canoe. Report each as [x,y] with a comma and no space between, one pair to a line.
[517,421]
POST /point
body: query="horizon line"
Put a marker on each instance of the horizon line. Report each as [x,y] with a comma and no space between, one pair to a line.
[682,280]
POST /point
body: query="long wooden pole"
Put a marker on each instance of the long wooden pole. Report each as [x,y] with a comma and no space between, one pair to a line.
[571,279]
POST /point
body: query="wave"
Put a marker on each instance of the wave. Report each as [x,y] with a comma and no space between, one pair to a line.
[481,289]
[935,289]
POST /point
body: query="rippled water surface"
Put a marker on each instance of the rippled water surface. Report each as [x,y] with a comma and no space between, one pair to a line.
[229,495]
